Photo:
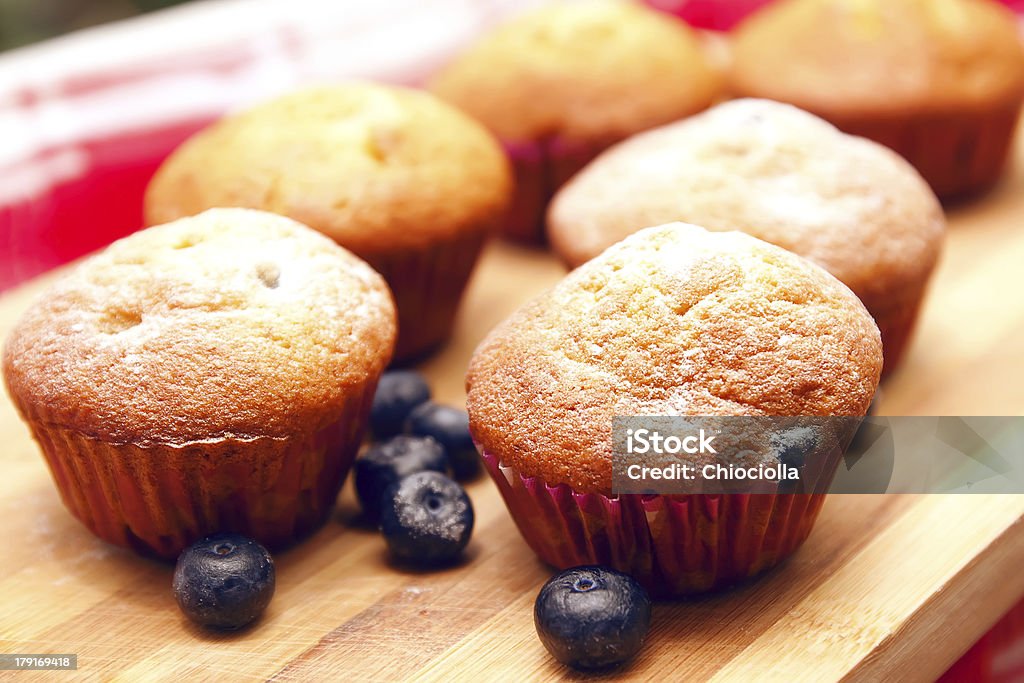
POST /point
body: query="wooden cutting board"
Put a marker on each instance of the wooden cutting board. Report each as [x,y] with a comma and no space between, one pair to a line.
[894,587]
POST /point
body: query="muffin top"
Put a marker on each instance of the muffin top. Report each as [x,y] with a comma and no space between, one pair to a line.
[373,167]
[780,174]
[858,57]
[674,320]
[585,71]
[232,324]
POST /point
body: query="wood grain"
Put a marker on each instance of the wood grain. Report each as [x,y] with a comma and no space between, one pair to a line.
[886,587]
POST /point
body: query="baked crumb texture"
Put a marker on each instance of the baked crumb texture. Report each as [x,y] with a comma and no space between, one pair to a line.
[395,175]
[782,175]
[206,375]
[674,320]
[560,84]
[581,72]
[939,81]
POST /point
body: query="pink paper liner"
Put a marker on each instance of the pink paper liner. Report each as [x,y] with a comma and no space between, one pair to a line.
[427,284]
[158,499]
[541,167]
[896,325]
[673,545]
[960,155]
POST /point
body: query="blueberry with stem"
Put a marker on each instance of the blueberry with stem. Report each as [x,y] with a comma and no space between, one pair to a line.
[592,617]
[224,581]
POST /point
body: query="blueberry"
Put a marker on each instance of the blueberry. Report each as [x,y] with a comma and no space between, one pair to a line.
[398,392]
[592,617]
[791,453]
[386,463]
[224,581]
[450,426]
[426,519]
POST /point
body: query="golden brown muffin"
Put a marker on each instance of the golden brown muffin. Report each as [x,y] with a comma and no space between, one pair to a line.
[212,374]
[673,320]
[777,173]
[560,84]
[401,179]
[939,81]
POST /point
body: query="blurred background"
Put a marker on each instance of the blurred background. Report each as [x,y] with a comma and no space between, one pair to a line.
[29,21]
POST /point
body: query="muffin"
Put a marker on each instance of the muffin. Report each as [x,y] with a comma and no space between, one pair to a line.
[404,181]
[782,175]
[212,374]
[673,320]
[939,81]
[560,84]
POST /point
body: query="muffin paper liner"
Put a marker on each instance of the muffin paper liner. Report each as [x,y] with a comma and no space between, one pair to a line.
[896,325]
[958,154]
[158,499]
[427,284]
[673,545]
[540,168]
